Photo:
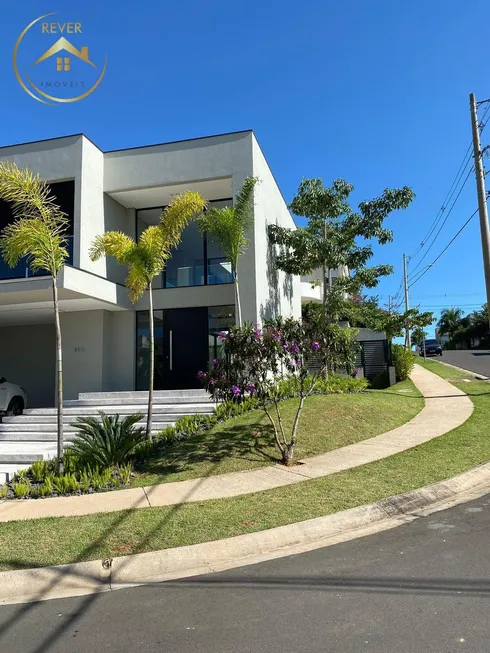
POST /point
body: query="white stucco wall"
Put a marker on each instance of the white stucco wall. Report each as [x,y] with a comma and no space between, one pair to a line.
[218,295]
[91,216]
[117,218]
[173,163]
[119,350]
[83,337]
[58,159]
[27,357]
[276,292]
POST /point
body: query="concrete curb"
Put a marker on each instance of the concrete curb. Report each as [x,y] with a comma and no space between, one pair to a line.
[476,375]
[181,562]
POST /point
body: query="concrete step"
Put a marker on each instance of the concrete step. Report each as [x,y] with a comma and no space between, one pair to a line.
[157,425]
[137,401]
[49,422]
[40,437]
[179,410]
[13,458]
[7,471]
[135,394]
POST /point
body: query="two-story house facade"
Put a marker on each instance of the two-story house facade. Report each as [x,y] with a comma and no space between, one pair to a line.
[105,337]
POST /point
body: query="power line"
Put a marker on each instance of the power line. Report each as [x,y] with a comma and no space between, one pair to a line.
[427,268]
[464,294]
[447,199]
[445,219]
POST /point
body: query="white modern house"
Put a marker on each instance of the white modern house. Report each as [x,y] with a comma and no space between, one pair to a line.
[105,337]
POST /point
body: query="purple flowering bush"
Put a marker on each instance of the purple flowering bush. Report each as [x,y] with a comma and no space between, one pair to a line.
[256,362]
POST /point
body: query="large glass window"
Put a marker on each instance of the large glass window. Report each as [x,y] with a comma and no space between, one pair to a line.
[143,349]
[197,261]
[220,318]
[218,267]
[64,194]
[186,267]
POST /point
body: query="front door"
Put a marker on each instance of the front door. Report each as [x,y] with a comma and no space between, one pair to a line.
[181,348]
[185,350]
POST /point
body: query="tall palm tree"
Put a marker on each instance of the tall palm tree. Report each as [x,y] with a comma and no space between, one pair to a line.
[229,226]
[146,259]
[39,233]
[450,321]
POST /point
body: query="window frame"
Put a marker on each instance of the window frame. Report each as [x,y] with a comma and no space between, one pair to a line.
[204,249]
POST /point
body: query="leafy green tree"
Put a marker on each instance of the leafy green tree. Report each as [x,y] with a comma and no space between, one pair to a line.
[39,234]
[419,335]
[146,259]
[229,226]
[331,238]
[364,312]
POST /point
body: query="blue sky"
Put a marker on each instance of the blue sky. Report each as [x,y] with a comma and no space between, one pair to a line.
[374,92]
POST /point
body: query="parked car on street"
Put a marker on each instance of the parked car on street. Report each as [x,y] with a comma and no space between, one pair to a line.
[13,398]
[432,348]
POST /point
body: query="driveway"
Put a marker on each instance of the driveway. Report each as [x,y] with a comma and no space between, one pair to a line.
[423,587]
[474,360]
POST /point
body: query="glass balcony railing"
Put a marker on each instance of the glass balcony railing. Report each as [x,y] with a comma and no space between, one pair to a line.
[23,271]
[219,271]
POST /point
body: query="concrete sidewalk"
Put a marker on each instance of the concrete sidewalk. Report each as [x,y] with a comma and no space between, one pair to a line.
[446,407]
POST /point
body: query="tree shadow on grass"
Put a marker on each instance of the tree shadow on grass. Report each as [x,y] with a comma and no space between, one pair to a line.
[246,442]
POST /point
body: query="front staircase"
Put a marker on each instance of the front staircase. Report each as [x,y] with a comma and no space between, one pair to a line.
[33,435]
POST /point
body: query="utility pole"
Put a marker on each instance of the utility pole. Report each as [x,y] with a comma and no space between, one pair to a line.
[482,198]
[408,339]
[389,304]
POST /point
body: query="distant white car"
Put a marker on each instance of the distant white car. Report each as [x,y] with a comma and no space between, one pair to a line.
[13,398]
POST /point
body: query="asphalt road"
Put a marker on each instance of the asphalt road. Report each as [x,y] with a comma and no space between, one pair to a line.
[474,360]
[420,588]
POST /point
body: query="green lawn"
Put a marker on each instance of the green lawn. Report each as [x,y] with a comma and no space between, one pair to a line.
[71,539]
[444,371]
[246,442]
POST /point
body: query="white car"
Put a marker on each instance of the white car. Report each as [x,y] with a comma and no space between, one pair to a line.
[13,398]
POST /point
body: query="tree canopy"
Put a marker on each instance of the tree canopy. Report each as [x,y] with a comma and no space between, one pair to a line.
[330,240]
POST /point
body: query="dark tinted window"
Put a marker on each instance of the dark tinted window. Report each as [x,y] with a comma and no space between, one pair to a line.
[64,193]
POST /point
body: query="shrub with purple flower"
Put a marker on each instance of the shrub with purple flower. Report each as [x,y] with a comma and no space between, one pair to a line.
[255,360]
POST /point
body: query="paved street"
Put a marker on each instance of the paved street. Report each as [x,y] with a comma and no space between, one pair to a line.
[423,587]
[474,360]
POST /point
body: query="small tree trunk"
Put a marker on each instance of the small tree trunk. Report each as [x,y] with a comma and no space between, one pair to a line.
[276,434]
[59,376]
[295,425]
[151,371]
[237,301]
[324,298]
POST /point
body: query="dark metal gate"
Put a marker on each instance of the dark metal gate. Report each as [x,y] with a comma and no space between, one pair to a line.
[374,357]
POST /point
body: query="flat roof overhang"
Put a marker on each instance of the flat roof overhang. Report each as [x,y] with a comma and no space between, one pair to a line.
[30,301]
[155,196]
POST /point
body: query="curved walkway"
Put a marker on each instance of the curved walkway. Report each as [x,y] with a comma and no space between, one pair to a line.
[446,407]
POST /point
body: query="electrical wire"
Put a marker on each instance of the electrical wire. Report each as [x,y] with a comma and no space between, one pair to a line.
[447,199]
[428,267]
[444,221]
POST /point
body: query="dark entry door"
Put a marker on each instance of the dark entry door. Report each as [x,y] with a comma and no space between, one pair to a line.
[185,347]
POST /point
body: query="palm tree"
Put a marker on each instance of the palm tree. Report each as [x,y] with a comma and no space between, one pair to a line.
[39,234]
[229,226]
[146,259]
[450,321]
